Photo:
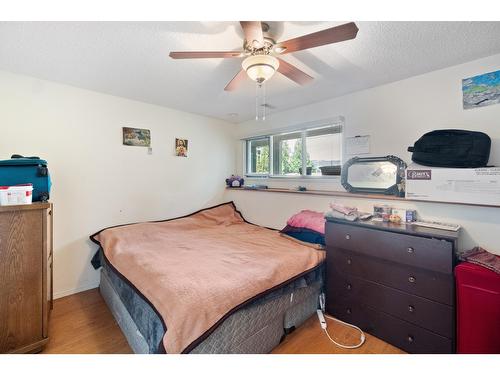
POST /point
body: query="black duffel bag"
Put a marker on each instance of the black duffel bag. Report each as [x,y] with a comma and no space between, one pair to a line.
[452,149]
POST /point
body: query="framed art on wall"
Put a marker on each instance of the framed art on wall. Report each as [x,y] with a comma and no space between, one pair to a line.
[481,90]
[136,137]
[181,147]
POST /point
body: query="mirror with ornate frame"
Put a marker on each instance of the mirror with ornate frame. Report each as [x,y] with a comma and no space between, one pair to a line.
[374,175]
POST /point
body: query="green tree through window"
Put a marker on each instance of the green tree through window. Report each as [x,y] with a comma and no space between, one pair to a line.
[262,162]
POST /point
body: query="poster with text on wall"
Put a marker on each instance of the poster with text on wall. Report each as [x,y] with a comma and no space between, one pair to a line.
[481,90]
[181,147]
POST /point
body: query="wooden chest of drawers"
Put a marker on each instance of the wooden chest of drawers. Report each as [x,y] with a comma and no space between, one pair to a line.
[393,281]
[25,277]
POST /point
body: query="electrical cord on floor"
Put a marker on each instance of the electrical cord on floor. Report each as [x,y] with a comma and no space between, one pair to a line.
[323,324]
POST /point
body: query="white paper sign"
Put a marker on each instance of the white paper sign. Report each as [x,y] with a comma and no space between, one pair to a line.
[358,145]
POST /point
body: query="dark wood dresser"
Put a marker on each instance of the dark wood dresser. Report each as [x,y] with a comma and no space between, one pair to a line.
[25,277]
[393,281]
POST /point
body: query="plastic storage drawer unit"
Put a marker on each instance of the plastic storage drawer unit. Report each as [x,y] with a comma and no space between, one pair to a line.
[478,309]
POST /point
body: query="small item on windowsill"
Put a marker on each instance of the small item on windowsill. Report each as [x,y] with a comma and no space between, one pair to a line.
[255,187]
[234,181]
[301,188]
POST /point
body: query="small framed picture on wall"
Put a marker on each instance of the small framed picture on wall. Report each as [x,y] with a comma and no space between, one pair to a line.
[136,137]
[181,147]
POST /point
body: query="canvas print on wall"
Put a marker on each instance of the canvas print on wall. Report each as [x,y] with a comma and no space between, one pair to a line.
[136,137]
[181,147]
[482,90]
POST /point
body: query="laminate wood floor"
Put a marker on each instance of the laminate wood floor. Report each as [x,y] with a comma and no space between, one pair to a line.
[82,324]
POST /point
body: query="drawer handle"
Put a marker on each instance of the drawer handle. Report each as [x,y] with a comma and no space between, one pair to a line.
[349,262]
[411,308]
[348,310]
[347,236]
[410,339]
[412,279]
[349,286]
[411,250]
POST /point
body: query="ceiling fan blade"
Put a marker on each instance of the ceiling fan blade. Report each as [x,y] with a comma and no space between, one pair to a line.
[253,32]
[333,35]
[235,82]
[295,74]
[205,54]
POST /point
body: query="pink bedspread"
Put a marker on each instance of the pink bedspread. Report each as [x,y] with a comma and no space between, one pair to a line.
[195,270]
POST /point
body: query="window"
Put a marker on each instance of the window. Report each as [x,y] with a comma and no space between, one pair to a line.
[295,154]
[324,148]
[258,156]
[287,154]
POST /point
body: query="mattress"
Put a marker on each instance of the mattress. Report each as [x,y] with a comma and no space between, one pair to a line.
[256,327]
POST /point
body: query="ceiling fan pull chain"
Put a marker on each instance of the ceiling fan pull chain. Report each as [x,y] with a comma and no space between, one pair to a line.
[257,102]
[263,102]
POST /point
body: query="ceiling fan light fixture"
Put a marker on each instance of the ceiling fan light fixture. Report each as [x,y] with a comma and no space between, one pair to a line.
[260,67]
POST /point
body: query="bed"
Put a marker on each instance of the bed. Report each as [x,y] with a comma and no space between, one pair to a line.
[256,304]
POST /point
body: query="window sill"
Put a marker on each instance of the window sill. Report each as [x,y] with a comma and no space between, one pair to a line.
[332,193]
[294,178]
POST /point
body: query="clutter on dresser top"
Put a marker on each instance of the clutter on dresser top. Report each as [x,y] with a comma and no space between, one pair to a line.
[386,213]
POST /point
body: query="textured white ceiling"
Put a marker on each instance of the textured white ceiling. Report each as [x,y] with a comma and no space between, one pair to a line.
[130,59]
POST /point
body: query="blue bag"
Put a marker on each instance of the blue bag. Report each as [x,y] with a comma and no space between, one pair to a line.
[32,170]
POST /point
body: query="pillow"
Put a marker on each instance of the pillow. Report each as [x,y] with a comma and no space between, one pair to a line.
[304,235]
[308,219]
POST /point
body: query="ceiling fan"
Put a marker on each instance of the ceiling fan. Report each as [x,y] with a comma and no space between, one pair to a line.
[260,52]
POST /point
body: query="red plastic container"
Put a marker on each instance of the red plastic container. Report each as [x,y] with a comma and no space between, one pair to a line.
[478,309]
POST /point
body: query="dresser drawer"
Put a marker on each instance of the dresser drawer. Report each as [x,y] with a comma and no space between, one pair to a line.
[404,335]
[433,316]
[429,284]
[428,253]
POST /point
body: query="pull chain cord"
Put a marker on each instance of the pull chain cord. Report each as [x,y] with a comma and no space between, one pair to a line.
[323,324]
[260,101]
[257,102]
[263,105]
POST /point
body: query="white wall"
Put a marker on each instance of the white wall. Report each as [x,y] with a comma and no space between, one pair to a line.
[98,182]
[395,116]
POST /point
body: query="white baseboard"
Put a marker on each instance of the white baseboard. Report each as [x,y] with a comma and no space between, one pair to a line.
[82,288]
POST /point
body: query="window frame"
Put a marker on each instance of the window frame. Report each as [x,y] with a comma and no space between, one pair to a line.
[335,123]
